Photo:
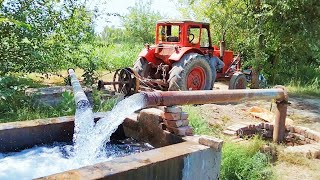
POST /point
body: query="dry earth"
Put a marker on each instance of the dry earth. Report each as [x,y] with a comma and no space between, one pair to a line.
[304,111]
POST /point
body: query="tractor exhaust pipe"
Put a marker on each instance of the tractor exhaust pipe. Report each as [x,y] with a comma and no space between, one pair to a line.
[279,93]
[222,45]
[80,97]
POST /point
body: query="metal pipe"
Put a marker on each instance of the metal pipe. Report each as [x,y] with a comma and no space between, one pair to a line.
[80,97]
[280,122]
[170,98]
[280,119]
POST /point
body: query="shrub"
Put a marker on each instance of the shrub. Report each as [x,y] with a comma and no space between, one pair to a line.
[245,161]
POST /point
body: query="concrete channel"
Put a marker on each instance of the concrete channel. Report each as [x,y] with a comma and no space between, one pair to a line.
[174,157]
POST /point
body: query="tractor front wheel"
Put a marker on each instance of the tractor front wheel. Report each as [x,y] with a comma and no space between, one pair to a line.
[238,81]
[192,72]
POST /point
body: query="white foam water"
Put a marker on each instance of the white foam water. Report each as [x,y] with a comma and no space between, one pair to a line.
[90,139]
[45,160]
[90,145]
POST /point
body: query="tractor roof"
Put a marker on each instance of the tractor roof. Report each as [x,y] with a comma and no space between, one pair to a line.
[181,21]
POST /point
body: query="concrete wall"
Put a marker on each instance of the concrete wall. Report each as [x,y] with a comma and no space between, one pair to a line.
[20,135]
[186,160]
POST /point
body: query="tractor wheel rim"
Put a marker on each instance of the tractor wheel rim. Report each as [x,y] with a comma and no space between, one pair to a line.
[196,79]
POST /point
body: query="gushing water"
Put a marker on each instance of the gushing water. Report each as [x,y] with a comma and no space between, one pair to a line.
[90,139]
[90,145]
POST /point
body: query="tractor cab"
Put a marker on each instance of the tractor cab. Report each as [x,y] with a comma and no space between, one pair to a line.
[183,33]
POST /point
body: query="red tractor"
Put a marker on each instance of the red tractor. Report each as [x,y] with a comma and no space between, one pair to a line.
[183,58]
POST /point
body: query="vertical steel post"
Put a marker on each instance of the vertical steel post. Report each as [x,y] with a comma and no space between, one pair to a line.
[279,127]
[280,122]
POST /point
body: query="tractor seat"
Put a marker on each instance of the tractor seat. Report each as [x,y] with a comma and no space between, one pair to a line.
[172,39]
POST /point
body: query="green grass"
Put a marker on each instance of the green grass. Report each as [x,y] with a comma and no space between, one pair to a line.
[199,124]
[300,88]
[25,108]
[16,106]
[245,161]
[239,161]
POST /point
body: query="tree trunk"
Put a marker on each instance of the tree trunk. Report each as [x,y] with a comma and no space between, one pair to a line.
[255,79]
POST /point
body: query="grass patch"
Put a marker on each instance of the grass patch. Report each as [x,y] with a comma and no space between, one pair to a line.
[301,88]
[24,108]
[100,104]
[295,159]
[239,161]
[245,161]
[199,124]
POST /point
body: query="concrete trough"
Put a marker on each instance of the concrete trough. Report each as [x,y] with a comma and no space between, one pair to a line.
[191,157]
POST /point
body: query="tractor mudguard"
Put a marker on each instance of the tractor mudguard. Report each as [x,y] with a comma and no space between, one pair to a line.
[177,55]
[148,54]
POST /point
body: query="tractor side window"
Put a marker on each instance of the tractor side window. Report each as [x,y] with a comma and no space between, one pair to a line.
[169,33]
[204,42]
[193,35]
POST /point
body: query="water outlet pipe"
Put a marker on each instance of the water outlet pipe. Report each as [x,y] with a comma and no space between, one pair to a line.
[80,97]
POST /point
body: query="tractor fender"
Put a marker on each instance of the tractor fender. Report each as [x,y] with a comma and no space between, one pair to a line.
[148,54]
[177,55]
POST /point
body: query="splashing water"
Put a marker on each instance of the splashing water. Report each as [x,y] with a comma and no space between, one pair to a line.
[90,139]
[90,145]
[45,160]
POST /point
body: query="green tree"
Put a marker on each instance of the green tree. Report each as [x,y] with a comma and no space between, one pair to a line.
[140,22]
[42,35]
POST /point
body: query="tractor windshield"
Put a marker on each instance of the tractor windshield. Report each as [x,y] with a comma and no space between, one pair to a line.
[169,33]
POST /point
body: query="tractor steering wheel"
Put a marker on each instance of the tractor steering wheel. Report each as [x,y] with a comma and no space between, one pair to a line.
[192,35]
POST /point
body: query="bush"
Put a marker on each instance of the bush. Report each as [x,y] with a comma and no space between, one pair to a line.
[244,161]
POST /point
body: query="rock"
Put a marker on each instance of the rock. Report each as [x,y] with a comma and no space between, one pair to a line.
[150,114]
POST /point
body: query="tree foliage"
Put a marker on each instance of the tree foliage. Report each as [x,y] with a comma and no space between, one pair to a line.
[42,35]
[140,22]
[280,38]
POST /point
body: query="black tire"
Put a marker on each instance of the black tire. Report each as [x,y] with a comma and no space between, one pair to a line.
[238,81]
[180,71]
[141,66]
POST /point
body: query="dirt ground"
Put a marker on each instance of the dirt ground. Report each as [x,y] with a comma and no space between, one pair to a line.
[304,111]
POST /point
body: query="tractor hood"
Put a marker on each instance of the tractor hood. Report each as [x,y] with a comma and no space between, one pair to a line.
[165,53]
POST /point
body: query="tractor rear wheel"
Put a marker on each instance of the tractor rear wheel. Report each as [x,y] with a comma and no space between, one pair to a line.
[238,81]
[192,72]
[141,66]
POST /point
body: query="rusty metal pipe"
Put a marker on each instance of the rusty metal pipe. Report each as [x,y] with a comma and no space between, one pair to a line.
[170,98]
[80,97]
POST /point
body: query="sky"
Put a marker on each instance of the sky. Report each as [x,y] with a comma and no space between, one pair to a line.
[165,7]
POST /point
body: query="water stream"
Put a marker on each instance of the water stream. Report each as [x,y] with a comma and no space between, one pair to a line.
[90,145]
